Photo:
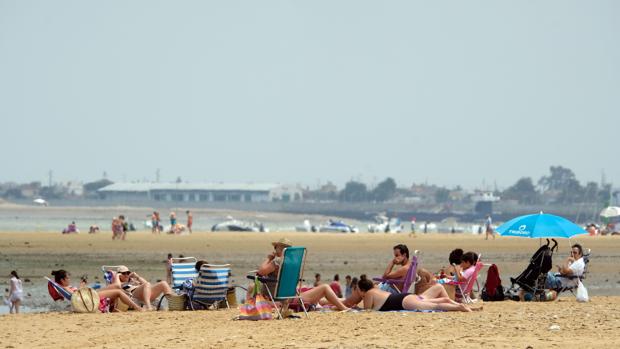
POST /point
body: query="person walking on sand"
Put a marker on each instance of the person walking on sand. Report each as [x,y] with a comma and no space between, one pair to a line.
[488,228]
[155,222]
[190,221]
[16,293]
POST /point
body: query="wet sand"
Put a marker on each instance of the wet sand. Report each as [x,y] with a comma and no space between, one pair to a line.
[503,324]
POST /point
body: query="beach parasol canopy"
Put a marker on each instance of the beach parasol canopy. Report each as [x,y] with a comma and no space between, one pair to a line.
[540,225]
[611,211]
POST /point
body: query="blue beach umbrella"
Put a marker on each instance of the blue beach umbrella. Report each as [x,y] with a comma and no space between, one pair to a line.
[540,225]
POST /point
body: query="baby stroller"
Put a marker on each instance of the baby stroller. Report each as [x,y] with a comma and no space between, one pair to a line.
[532,279]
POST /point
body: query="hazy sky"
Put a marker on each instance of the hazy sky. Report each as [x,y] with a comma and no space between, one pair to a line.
[449,92]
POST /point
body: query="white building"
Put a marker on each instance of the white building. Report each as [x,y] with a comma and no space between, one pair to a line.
[201,192]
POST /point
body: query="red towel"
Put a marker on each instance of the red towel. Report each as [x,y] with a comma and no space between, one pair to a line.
[493,280]
[52,291]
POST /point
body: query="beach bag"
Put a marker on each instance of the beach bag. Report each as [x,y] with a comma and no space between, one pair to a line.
[85,300]
[493,289]
[582,293]
[257,307]
[177,302]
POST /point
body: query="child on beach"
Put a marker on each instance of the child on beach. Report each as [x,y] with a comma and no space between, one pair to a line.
[347,286]
[16,293]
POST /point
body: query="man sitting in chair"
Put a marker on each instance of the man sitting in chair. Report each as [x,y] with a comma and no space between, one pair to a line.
[271,265]
[401,258]
[569,272]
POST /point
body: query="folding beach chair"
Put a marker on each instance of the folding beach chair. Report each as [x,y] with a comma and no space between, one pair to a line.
[586,261]
[408,281]
[56,291]
[289,278]
[468,285]
[211,286]
[183,269]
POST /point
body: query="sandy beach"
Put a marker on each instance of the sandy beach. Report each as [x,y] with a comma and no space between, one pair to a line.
[501,324]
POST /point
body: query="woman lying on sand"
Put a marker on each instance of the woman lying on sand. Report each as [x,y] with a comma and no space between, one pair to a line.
[435,298]
[271,266]
[62,278]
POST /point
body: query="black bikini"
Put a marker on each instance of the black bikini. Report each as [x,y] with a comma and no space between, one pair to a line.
[394,302]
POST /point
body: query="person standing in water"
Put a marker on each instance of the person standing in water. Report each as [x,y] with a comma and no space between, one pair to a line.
[16,293]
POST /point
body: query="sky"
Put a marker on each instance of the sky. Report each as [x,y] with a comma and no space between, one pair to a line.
[467,93]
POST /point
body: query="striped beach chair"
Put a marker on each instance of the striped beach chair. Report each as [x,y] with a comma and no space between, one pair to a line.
[211,286]
[183,269]
[467,287]
[59,293]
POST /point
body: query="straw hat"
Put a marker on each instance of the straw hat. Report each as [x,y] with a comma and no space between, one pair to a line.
[283,241]
[122,269]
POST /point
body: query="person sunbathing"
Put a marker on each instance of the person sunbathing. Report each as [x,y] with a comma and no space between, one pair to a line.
[424,279]
[138,287]
[435,298]
[63,278]
[271,265]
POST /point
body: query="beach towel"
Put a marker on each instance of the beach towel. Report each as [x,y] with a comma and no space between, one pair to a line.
[53,293]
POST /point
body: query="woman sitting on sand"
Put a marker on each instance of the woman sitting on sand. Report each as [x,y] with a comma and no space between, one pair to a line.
[270,267]
[435,298]
[130,281]
[62,277]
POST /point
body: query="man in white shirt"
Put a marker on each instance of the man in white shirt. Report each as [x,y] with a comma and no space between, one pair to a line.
[569,272]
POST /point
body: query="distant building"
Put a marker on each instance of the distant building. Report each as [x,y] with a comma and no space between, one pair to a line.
[200,192]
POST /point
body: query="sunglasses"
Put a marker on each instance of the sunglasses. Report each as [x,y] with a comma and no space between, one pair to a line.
[126,273]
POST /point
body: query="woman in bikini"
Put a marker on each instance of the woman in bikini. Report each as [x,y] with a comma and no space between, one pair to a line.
[63,278]
[435,298]
[133,283]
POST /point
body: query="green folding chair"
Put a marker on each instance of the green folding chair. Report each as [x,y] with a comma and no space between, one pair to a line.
[289,278]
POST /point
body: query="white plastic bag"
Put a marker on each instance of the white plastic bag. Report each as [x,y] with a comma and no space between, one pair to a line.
[582,293]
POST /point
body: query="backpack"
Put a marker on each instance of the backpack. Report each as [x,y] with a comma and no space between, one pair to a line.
[493,289]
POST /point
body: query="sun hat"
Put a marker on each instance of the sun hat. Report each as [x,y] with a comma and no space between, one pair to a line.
[283,241]
[122,269]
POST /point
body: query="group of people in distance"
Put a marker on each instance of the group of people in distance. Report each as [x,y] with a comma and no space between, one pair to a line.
[175,227]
